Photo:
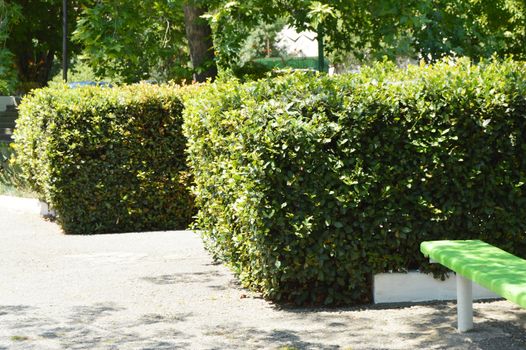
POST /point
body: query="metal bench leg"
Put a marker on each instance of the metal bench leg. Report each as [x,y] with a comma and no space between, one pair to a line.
[464,304]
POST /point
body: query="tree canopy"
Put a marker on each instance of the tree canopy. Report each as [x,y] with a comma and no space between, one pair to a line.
[35,39]
[171,39]
[9,15]
[134,40]
[427,29]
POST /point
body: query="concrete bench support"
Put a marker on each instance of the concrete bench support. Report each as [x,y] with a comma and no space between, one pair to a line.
[464,304]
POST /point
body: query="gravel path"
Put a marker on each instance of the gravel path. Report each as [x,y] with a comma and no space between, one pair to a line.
[161,290]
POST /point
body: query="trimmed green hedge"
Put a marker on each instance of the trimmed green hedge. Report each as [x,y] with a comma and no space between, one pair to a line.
[307,185]
[107,159]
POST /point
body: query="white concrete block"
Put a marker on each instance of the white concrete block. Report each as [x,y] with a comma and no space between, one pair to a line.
[415,286]
[26,205]
[7,101]
[46,210]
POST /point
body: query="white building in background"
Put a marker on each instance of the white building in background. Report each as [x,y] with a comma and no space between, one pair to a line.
[303,44]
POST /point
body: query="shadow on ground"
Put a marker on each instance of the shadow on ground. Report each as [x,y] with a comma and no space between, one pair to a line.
[89,327]
[426,325]
[95,327]
[185,277]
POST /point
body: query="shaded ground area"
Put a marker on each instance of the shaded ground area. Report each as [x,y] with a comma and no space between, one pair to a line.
[161,290]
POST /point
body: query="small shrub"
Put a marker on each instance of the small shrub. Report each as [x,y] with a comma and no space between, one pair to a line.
[251,71]
[108,160]
[12,181]
[308,185]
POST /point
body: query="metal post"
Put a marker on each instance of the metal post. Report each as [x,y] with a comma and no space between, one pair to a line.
[464,303]
[321,57]
[65,40]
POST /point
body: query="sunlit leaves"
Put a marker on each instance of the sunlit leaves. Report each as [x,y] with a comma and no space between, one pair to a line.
[135,40]
[107,159]
[307,185]
[429,29]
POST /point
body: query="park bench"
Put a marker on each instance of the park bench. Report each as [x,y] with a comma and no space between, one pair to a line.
[482,263]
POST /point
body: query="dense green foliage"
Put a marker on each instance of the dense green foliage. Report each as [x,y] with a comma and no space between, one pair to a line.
[135,40]
[261,42]
[8,77]
[79,70]
[468,28]
[130,41]
[11,180]
[369,29]
[5,88]
[108,160]
[9,15]
[35,38]
[307,185]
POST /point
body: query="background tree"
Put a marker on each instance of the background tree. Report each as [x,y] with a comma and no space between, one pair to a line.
[135,40]
[199,36]
[262,42]
[471,28]
[131,40]
[36,38]
[372,29]
[9,15]
[233,21]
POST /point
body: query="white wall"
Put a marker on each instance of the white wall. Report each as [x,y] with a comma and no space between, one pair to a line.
[416,286]
[6,101]
[303,44]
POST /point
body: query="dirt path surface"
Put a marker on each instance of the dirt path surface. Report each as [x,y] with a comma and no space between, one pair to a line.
[161,290]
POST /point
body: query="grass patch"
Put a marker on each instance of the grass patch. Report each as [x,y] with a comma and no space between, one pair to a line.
[19,338]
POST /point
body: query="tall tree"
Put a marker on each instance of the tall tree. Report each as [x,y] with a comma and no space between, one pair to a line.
[170,33]
[417,28]
[199,36]
[35,39]
[9,15]
[471,28]
[132,40]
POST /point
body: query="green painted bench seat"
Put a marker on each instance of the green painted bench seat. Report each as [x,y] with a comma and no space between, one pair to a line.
[484,264]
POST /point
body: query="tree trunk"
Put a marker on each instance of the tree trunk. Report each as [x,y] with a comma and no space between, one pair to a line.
[34,68]
[199,36]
